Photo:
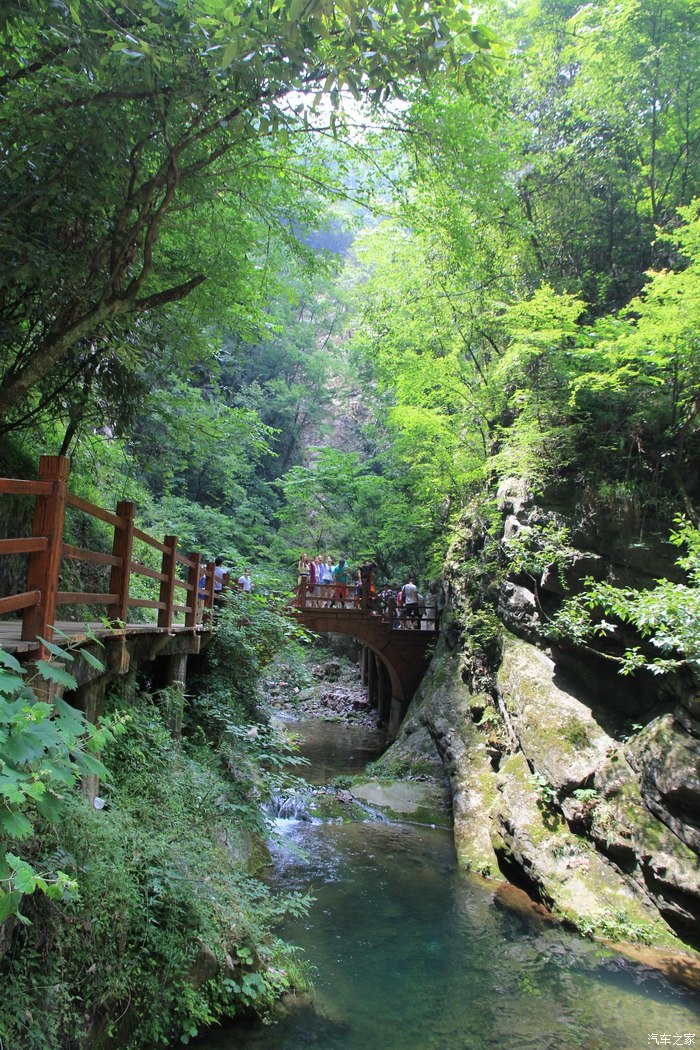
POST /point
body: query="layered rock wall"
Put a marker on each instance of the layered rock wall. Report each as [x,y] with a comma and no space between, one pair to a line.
[578,784]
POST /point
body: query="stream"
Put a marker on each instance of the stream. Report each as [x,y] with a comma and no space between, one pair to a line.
[412,954]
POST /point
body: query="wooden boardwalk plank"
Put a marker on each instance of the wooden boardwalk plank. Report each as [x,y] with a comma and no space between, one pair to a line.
[11,633]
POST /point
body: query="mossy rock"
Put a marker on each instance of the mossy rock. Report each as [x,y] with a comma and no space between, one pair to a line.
[556,729]
[419,802]
[571,877]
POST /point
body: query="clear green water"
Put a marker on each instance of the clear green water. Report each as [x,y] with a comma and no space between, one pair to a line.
[411,954]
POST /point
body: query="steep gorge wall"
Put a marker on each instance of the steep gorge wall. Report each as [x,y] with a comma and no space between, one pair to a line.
[580,785]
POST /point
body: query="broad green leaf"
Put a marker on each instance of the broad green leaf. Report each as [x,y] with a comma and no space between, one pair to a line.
[50,807]
[9,902]
[10,683]
[56,650]
[91,659]
[89,764]
[15,824]
[24,879]
[56,673]
[8,660]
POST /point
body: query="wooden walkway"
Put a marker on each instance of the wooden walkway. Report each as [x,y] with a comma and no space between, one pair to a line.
[133,564]
[173,577]
[77,633]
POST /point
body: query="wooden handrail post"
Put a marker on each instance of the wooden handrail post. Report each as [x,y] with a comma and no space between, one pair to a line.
[209,590]
[167,587]
[195,571]
[121,547]
[43,566]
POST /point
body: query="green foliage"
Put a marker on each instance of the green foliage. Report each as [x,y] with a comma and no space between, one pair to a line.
[618,926]
[489,719]
[546,793]
[251,629]
[45,749]
[170,931]
[356,508]
[537,547]
[124,132]
[586,795]
[667,615]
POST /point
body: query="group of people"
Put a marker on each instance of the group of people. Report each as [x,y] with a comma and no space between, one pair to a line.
[322,584]
[222,582]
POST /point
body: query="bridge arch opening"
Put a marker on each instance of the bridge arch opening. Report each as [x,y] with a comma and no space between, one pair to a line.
[400,658]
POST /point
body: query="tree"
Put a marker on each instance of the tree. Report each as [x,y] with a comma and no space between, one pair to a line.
[609,108]
[116,123]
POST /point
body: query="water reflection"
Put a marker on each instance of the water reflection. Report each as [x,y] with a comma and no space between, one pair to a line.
[334,749]
[411,954]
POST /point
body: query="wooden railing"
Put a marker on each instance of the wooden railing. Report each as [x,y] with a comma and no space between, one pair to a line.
[389,612]
[46,549]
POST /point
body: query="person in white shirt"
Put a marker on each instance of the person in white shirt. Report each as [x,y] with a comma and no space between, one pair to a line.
[245,582]
[410,604]
[220,578]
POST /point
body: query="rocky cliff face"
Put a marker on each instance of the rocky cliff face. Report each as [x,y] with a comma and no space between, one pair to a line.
[580,785]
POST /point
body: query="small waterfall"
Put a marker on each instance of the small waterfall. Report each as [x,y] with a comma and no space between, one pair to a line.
[292,806]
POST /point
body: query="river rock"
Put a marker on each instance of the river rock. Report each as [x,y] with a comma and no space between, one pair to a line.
[667,759]
[603,833]
[564,870]
[557,732]
[442,707]
[622,826]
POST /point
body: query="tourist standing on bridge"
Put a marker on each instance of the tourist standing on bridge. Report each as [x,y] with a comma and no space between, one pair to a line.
[410,604]
[365,577]
[245,582]
[201,595]
[312,582]
[318,592]
[220,581]
[302,579]
[326,580]
[385,598]
[340,583]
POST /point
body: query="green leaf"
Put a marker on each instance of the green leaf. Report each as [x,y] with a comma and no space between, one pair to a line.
[92,636]
[10,683]
[91,659]
[56,650]
[24,879]
[50,807]
[12,793]
[9,902]
[15,824]
[56,673]
[8,660]
[230,53]
[90,764]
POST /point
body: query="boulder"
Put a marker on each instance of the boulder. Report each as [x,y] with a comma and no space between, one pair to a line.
[667,759]
[442,707]
[205,966]
[517,608]
[556,730]
[565,870]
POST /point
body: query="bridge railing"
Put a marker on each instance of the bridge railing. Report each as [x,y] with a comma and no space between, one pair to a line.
[46,550]
[325,601]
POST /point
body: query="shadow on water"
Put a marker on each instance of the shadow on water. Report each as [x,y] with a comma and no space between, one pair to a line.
[411,954]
